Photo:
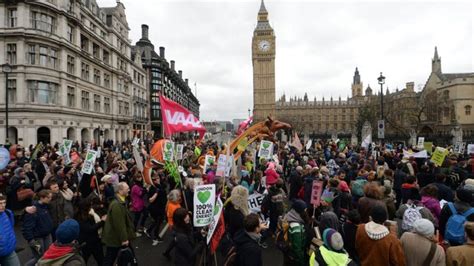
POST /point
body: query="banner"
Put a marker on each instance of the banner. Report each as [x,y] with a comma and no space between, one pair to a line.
[297,143]
[421,154]
[428,146]
[316,191]
[255,202]
[221,165]
[179,151]
[168,150]
[438,156]
[176,118]
[266,149]
[208,162]
[138,159]
[217,213]
[4,158]
[89,162]
[367,141]
[459,147]
[204,200]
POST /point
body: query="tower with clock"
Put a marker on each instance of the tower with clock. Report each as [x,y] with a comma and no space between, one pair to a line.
[263,61]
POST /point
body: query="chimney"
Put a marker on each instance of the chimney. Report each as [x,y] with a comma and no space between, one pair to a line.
[144,31]
[172,64]
[410,86]
[162,52]
[187,81]
[180,72]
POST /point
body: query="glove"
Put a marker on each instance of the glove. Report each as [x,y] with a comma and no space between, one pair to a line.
[36,246]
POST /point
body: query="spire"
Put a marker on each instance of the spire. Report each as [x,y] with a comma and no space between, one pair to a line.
[262,8]
[436,62]
[436,57]
[356,77]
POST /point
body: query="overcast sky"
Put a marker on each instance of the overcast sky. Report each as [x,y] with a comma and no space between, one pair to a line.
[318,44]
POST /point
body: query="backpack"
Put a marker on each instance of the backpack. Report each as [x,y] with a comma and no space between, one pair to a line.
[358,187]
[126,257]
[411,215]
[282,240]
[455,226]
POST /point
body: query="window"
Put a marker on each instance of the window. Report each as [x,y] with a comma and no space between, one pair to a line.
[53,58]
[97,76]
[84,43]
[11,17]
[12,91]
[85,71]
[467,109]
[105,56]
[446,94]
[106,80]
[120,107]
[11,53]
[32,54]
[70,6]
[125,87]
[71,96]
[96,102]
[43,58]
[42,21]
[107,105]
[119,84]
[126,109]
[42,92]
[85,100]
[70,33]
[70,65]
[96,50]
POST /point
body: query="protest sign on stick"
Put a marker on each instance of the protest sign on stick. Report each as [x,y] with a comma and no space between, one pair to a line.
[204,200]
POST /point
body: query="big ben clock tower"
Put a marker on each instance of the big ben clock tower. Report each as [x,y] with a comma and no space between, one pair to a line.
[263,61]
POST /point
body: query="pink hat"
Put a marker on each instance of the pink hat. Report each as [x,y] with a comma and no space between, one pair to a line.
[343,186]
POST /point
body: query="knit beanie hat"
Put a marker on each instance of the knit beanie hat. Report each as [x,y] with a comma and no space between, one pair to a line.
[378,214]
[299,206]
[67,231]
[424,227]
[465,194]
[333,240]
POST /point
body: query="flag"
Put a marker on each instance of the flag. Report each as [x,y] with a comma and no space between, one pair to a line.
[244,125]
[297,143]
[176,118]
[218,233]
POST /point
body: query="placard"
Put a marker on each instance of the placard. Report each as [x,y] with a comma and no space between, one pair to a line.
[421,141]
[316,191]
[4,158]
[89,162]
[470,149]
[459,147]
[308,144]
[221,165]
[438,156]
[204,200]
[428,147]
[168,150]
[266,149]
[179,151]
[217,214]
[229,164]
[255,202]
[208,162]
[138,159]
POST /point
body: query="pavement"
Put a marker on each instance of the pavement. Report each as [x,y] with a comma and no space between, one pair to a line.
[146,253]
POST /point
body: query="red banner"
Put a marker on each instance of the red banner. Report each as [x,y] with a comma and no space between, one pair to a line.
[176,118]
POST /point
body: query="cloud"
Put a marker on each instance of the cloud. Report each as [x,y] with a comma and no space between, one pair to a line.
[319,44]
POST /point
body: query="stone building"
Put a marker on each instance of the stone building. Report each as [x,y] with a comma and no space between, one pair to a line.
[73,74]
[164,79]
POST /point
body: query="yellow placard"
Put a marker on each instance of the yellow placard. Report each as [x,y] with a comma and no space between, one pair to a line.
[438,156]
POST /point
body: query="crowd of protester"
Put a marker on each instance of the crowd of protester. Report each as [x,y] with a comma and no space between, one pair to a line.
[377,207]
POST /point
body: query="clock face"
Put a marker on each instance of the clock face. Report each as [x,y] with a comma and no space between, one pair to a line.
[264,46]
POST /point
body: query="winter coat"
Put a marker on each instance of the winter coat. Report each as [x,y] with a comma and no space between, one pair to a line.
[38,224]
[410,192]
[138,204]
[460,255]
[171,207]
[89,230]
[349,231]
[326,257]
[424,178]
[57,210]
[119,225]
[377,246]
[297,238]
[365,206]
[272,176]
[398,179]
[444,192]
[461,207]
[432,204]
[58,255]
[234,220]
[249,253]
[7,233]
[417,248]
[425,214]
[185,249]
[157,207]
[296,181]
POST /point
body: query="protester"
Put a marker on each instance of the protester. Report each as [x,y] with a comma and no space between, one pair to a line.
[349,230]
[249,252]
[462,255]
[174,203]
[8,255]
[297,218]
[137,196]
[156,208]
[186,248]
[373,195]
[89,232]
[332,251]
[65,251]
[420,246]
[236,210]
[118,229]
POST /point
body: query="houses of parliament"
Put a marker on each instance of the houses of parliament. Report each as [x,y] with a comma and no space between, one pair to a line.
[440,110]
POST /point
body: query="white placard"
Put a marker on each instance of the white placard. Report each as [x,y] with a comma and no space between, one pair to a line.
[138,159]
[255,202]
[217,214]
[470,149]
[179,151]
[208,162]
[421,141]
[229,164]
[168,150]
[266,149]
[204,200]
[221,165]
[308,144]
[89,162]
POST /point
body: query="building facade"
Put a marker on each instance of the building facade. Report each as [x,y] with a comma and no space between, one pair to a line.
[263,62]
[72,72]
[164,80]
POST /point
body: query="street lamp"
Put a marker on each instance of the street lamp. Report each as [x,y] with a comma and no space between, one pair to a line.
[6,68]
[249,112]
[381,80]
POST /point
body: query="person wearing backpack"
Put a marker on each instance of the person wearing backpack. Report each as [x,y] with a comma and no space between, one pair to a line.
[248,249]
[408,213]
[462,255]
[296,219]
[420,246]
[8,255]
[455,214]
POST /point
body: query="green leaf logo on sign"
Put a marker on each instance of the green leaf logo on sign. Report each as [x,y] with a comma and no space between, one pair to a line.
[203,196]
[89,156]
[216,209]
[168,145]
[210,161]
[266,145]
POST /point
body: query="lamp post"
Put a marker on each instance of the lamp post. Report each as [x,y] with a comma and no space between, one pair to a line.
[381,80]
[249,112]
[6,69]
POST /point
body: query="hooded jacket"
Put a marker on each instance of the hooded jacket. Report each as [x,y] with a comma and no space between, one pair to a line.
[249,252]
[7,233]
[39,224]
[297,237]
[324,256]
[57,255]
[432,204]
[377,246]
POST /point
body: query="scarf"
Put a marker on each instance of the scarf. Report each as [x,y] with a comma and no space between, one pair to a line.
[67,194]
